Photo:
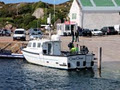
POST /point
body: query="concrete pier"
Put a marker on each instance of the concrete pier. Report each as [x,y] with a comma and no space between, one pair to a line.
[110,45]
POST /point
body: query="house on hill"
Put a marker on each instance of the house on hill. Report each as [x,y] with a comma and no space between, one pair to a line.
[95,13]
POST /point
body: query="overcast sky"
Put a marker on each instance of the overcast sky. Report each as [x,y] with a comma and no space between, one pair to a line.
[48,1]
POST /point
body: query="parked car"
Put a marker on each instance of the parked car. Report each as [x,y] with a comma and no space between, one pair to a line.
[96,32]
[34,30]
[109,31]
[6,32]
[35,35]
[19,34]
[0,32]
[86,32]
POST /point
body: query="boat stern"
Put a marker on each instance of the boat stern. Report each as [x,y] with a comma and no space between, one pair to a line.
[80,61]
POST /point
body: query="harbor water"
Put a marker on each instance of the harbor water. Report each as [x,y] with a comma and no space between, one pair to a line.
[21,75]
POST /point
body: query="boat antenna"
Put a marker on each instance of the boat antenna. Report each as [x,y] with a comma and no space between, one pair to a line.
[49,23]
[54,12]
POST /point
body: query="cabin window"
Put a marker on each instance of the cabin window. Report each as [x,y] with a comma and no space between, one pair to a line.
[78,63]
[34,44]
[49,48]
[29,44]
[44,51]
[38,45]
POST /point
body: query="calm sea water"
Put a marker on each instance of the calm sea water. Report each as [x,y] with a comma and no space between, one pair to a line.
[20,75]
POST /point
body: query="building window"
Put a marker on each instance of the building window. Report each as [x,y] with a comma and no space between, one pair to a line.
[67,27]
[74,16]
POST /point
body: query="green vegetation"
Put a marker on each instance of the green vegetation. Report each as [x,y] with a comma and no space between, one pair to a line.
[20,15]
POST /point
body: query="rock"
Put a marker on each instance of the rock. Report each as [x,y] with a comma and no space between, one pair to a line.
[38,13]
[8,26]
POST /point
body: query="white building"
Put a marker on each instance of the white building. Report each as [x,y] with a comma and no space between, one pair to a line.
[95,13]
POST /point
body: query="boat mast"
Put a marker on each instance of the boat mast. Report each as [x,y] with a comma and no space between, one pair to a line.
[49,23]
[54,13]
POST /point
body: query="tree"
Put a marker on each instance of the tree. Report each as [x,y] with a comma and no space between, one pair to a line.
[28,18]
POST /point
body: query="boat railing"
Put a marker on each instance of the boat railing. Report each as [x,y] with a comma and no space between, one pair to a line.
[68,53]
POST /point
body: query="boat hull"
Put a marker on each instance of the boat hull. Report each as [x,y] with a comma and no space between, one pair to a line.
[62,62]
[12,56]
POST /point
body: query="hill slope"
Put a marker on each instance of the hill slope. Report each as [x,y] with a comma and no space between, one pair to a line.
[21,14]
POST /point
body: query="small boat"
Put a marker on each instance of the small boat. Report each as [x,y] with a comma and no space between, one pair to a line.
[47,52]
[9,54]
[12,56]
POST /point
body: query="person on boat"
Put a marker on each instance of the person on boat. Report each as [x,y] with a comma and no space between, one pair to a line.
[70,45]
[74,50]
[84,50]
[77,49]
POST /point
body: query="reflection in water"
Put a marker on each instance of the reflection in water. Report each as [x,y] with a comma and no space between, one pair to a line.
[99,73]
[111,70]
[18,74]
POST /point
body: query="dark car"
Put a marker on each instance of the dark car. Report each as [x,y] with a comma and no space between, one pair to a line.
[6,32]
[86,32]
[109,31]
[0,32]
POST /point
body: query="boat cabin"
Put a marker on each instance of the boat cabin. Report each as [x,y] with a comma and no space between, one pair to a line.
[48,47]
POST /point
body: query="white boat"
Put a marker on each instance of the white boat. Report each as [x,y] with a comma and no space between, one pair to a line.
[48,53]
[8,54]
[12,56]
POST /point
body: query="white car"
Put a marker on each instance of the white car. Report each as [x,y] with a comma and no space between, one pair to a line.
[35,35]
[96,32]
[19,34]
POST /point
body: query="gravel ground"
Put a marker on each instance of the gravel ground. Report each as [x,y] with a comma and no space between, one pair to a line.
[110,46]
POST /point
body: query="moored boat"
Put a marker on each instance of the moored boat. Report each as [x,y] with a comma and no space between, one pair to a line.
[47,52]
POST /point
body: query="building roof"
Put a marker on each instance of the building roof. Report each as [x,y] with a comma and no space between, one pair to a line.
[100,5]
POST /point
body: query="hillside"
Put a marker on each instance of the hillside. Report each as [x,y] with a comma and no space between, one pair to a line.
[22,14]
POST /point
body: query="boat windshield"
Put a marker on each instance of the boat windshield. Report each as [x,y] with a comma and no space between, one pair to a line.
[29,44]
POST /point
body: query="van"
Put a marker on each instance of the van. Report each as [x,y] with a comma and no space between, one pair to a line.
[109,30]
[19,34]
